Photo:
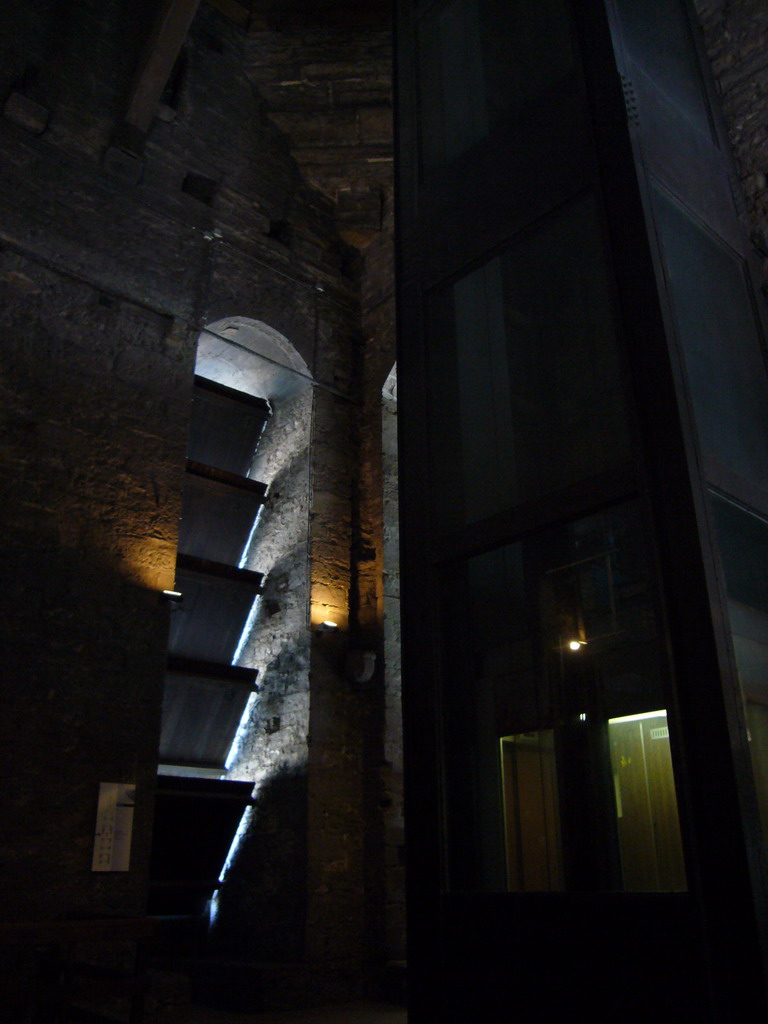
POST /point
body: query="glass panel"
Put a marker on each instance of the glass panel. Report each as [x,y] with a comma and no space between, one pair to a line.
[478,60]
[531,814]
[558,769]
[646,805]
[658,38]
[721,347]
[527,394]
[743,544]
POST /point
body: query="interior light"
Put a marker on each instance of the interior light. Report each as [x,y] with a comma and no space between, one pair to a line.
[639,718]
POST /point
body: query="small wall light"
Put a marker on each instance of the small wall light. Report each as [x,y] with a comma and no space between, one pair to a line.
[576,645]
[172,596]
[326,626]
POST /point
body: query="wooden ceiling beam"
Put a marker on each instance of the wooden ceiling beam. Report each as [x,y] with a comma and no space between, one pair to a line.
[168,34]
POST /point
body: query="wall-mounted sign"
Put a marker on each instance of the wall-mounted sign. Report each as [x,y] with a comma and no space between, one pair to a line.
[114,825]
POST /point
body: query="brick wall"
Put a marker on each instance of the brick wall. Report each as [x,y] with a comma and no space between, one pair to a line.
[106,286]
[736,39]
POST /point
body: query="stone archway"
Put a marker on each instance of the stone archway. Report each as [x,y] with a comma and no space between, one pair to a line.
[251,356]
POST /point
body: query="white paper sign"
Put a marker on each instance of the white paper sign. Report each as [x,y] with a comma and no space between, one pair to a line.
[114,825]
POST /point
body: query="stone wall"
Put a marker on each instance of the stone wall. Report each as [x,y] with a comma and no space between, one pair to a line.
[378,584]
[328,87]
[93,435]
[392,766]
[736,39]
[97,356]
[330,90]
[108,273]
[266,879]
[107,284]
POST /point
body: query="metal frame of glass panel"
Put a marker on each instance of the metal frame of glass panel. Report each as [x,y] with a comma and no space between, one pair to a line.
[617,113]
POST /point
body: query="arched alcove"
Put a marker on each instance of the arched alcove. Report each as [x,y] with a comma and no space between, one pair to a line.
[246,509]
[248,355]
[269,749]
[251,357]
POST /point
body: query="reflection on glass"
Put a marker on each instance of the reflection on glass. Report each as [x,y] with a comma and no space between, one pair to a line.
[558,768]
[479,59]
[527,392]
[645,802]
[720,345]
[743,543]
[658,38]
[531,818]
[646,805]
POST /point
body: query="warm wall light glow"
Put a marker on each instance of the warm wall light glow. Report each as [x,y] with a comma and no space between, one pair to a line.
[326,612]
[576,645]
[327,626]
[328,604]
[149,562]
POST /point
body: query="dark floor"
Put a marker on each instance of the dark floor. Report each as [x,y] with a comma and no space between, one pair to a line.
[352,1013]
